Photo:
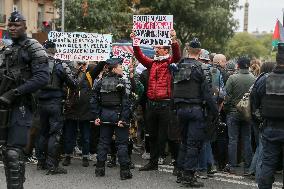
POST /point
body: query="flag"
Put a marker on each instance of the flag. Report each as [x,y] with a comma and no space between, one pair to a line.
[278,35]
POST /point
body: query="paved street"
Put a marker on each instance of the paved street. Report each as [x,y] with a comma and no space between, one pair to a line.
[79,177]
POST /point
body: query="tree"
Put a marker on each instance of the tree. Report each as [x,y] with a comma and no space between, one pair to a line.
[247,44]
[108,16]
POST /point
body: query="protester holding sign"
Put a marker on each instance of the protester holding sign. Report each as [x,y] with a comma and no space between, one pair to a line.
[159,95]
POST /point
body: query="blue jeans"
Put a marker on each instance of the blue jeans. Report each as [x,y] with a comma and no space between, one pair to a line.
[205,157]
[236,127]
[70,136]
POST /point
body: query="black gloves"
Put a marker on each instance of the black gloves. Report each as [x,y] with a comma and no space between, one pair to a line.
[8,97]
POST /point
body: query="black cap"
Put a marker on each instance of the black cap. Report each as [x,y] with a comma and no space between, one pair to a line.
[243,62]
[114,61]
[48,44]
[16,17]
[195,43]
[280,54]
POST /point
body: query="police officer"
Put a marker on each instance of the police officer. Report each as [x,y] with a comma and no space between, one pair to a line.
[111,107]
[190,90]
[50,110]
[267,95]
[23,72]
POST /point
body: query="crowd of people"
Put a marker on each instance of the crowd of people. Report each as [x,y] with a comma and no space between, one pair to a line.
[185,105]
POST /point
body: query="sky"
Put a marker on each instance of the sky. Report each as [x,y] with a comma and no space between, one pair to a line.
[262,14]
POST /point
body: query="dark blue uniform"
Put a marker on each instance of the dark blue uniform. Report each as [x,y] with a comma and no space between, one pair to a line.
[23,72]
[190,91]
[50,110]
[272,134]
[111,104]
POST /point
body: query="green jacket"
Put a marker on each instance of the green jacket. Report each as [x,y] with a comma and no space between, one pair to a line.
[237,85]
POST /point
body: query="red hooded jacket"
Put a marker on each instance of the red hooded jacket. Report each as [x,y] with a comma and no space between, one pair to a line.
[160,79]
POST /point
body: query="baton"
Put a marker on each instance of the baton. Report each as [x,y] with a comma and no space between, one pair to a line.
[111,123]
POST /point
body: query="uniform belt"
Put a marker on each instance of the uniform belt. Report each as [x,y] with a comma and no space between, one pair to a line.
[187,105]
[159,103]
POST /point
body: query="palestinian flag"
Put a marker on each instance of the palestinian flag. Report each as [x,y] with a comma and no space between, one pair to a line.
[278,35]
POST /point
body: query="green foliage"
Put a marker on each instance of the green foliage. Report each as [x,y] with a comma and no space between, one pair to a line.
[247,44]
[103,16]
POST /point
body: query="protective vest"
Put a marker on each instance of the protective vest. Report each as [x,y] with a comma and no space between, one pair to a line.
[273,101]
[16,67]
[54,82]
[111,91]
[184,85]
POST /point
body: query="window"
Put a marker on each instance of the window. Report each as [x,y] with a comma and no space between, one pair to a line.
[40,15]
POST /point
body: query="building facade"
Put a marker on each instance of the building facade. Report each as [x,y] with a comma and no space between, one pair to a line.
[35,11]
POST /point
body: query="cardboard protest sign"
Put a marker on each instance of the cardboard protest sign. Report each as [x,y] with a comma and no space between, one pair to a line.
[152,30]
[80,46]
[125,53]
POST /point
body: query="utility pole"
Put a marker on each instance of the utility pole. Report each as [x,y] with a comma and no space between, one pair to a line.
[283,16]
[246,15]
[62,16]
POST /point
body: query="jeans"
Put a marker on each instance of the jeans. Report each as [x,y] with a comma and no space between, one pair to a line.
[205,157]
[236,127]
[70,136]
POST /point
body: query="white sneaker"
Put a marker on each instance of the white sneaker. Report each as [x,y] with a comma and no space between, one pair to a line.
[146,156]
[93,157]
[77,151]
[161,161]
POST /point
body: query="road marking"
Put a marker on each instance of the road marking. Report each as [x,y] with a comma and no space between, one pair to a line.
[228,177]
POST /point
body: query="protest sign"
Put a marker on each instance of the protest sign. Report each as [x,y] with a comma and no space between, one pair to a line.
[152,30]
[80,46]
[125,53]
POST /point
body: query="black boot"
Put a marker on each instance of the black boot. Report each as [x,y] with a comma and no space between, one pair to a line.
[41,165]
[67,161]
[100,169]
[179,174]
[125,173]
[56,170]
[188,180]
[149,166]
[85,162]
[112,162]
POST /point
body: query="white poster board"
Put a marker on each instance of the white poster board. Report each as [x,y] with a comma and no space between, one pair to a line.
[152,30]
[80,46]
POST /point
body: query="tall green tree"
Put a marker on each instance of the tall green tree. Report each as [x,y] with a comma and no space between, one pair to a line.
[103,16]
[247,44]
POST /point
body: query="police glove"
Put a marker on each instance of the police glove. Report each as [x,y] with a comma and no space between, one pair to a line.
[8,97]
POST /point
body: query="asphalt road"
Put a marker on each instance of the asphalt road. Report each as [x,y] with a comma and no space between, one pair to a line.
[79,177]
